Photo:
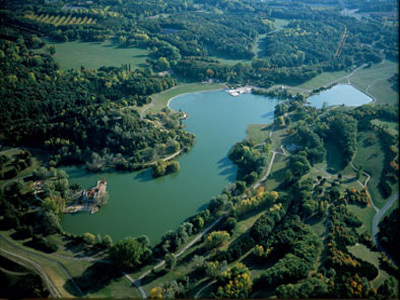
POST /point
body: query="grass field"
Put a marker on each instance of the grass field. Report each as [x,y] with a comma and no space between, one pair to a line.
[391,127]
[258,133]
[361,251]
[372,158]
[366,214]
[373,81]
[93,55]
[280,23]
[160,100]
[322,79]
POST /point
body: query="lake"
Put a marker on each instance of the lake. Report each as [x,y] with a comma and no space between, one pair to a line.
[140,205]
[340,94]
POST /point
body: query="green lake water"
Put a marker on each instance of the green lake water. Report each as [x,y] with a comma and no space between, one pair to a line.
[140,205]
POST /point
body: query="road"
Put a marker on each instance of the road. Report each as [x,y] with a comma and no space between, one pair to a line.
[161,263]
[378,216]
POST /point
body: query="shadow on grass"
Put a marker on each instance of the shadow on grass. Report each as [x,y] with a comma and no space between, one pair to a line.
[153,276]
[93,279]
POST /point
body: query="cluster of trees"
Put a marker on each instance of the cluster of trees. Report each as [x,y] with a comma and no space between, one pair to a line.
[162,167]
[11,166]
[131,253]
[358,197]
[351,274]
[250,161]
[235,282]
[388,233]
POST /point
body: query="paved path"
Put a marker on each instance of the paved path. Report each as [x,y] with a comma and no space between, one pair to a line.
[379,212]
[32,254]
[161,263]
[47,281]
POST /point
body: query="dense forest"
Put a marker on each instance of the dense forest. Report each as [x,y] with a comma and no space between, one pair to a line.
[295,241]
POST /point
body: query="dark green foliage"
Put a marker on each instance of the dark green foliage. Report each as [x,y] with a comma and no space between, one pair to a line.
[128,253]
[248,159]
[389,234]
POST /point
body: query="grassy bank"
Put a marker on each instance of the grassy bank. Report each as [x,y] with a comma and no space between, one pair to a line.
[160,100]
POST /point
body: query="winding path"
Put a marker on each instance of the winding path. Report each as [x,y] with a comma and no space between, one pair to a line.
[161,263]
[38,267]
[379,213]
[47,281]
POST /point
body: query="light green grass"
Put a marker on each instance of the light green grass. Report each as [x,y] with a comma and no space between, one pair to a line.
[277,174]
[366,214]
[117,288]
[93,55]
[372,158]
[280,23]
[258,133]
[364,253]
[374,81]
[322,79]
[260,45]
[227,60]
[160,100]
[390,127]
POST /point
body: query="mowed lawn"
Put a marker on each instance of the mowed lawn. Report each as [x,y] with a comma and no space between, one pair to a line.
[374,81]
[361,251]
[93,55]
[371,157]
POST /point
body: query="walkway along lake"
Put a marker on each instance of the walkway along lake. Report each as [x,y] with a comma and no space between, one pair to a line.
[140,205]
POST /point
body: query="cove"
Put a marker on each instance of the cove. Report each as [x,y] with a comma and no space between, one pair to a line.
[139,204]
[340,94]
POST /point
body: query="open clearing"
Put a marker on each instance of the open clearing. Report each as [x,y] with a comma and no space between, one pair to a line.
[373,81]
[361,251]
[371,157]
[93,55]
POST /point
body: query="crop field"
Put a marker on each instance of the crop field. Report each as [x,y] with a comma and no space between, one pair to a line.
[58,20]
[93,55]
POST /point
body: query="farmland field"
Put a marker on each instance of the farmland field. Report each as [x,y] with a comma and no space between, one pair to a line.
[93,55]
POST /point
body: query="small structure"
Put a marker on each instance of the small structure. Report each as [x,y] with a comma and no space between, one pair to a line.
[91,199]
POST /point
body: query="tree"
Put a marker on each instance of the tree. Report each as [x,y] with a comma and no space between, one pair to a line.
[216,238]
[107,241]
[51,49]
[235,282]
[89,238]
[170,261]
[127,253]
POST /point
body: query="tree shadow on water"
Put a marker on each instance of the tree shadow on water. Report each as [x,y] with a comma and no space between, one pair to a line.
[144,176]
[93,279]
[227,168]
